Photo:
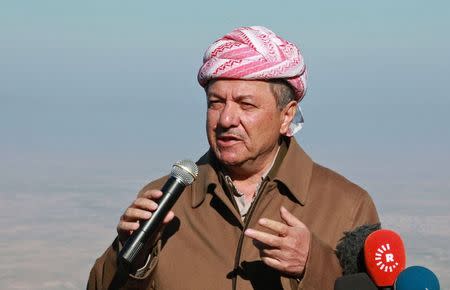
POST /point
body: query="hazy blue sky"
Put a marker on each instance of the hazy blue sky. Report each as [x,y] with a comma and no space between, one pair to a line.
[98,97]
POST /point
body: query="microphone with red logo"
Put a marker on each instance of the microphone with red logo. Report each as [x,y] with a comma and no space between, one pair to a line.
[385,257]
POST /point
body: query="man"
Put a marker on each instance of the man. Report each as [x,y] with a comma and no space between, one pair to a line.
[261,214]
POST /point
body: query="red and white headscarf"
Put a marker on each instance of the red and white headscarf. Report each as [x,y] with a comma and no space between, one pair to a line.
[256,53]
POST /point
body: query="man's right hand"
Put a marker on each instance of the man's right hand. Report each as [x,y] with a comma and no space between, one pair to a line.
[141,209]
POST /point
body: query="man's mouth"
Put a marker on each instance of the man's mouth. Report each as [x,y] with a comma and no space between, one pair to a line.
[228,138]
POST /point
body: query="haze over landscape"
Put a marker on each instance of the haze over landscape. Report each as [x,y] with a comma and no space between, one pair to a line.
[97,98]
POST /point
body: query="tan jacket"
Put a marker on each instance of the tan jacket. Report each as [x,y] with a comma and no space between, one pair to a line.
[204,248]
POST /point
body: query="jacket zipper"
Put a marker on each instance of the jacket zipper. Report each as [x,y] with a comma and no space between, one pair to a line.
[237,258]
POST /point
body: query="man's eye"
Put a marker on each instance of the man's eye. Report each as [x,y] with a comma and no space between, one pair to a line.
[214,103]
[247,106]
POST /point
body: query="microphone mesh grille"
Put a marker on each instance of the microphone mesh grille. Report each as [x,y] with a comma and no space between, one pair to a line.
[185,170]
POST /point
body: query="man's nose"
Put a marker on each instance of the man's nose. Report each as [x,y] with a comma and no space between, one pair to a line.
[229,117]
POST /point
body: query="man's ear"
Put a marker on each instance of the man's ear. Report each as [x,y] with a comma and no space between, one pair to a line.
[287,115]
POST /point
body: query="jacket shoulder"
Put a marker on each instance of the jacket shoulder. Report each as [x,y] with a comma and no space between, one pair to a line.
[340,183]
[345,194]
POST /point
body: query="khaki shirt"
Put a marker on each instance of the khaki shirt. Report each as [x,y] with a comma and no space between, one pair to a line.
[204,246]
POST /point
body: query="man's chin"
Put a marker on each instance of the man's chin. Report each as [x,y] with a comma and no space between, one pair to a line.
[229,159]
[231,162]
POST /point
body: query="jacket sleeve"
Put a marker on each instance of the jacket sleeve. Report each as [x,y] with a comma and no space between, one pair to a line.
[106,274]
[322,266]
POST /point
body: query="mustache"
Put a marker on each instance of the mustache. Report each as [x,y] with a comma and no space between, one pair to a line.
[221,132]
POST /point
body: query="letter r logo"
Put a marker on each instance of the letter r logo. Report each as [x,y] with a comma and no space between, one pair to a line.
[389,258]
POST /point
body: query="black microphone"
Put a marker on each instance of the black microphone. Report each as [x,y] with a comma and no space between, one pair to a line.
[183,174]
[350,249]
[359,281]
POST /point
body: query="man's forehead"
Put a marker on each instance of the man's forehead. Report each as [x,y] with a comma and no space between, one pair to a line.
[238,88]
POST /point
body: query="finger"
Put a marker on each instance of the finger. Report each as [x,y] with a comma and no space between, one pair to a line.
[145,203]
[261,246]
[292,270]
[280,228]
[289,218]
[268,239]
[135,214]
[125,229]
[151,194]
[125,226]
[271,253]
[272,262]
[128,223]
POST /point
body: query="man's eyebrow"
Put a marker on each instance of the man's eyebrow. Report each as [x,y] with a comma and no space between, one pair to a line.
[238,97]
[212,94]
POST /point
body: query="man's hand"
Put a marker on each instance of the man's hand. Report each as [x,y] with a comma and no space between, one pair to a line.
[287,250]
[141,209]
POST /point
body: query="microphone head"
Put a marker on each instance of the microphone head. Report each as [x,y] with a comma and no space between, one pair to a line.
[417,278]
[359,281]
[350,250]
[185,170]
[384,255]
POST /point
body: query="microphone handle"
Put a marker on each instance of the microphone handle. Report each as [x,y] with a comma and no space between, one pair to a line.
[358,281]
[149,228]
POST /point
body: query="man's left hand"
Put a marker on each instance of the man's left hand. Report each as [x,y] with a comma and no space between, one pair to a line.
[287,250]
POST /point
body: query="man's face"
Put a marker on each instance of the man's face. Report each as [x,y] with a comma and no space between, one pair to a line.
[243,121]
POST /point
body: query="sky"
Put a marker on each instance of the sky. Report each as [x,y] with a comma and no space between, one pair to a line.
[99,97]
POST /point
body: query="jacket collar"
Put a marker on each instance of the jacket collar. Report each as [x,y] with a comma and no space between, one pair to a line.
[292,168]
[295,171]
[207,178]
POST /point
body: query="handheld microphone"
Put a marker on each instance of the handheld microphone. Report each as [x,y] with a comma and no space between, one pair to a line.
[359,281]
[385,257]
[183,174]
[350,249]
[417,278]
